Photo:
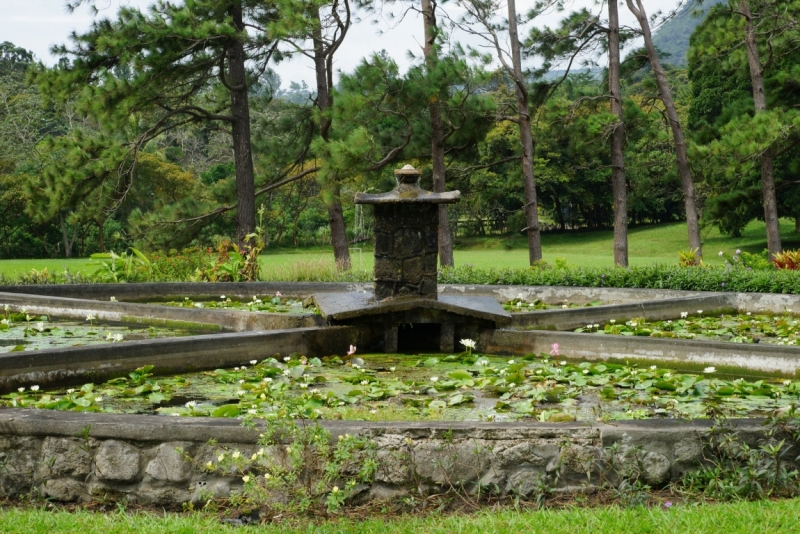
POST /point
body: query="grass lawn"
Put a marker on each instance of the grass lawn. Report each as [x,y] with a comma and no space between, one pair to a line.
[739,517]
[647,244]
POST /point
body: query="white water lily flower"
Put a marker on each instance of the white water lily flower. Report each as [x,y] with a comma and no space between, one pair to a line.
[267,379]
[564,306]
[191,404]
[235,368]
[253,362]
[114,299]
[699,312]
[90,317]
[241,381]
[118,337]
[286,372]
[236,454]
[304,385]
[785,382]
[749,314]
[510,362]
[709,370]
[40,326]
[20,389]
[34,388]
[653,367]
[221,457]
[287,358]
[393,369]
[373,412]
[586,371]
[589,326]
[469,343]
[612,321]
[241,392]
[597,326]
[198,304]
[222,297]
[365,382]
[538,371]
[69,391]
[684,315]
[434,379]
[98,399]
[252,412]
[246,479]
[563,362]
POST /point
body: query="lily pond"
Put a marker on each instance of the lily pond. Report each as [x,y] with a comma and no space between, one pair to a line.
[23,332]
[272,304]
[741,328]
[423,387]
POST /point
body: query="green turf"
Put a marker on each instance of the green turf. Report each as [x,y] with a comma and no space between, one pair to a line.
[647,244]
[741,517]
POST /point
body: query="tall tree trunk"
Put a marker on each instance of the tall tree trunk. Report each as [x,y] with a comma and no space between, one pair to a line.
[760,99]
[240,129]
[65,236]
[684,171]
[331,195]
[797,225]
[101,236]
[437,136]
[618,182]
[526,138]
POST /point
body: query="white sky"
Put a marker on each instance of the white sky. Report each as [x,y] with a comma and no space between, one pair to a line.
[37,25]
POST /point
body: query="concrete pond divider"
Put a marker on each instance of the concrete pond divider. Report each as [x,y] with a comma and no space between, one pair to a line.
[97,363]
[220,320]
[152,460]
[733,359]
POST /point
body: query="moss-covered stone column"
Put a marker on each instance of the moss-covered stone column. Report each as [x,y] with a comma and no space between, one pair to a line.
[406,237]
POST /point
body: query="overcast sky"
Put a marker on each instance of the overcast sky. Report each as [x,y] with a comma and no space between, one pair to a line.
[37,25]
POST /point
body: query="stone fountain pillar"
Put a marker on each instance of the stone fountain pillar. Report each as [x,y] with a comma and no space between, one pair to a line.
[406,237]
[405,296]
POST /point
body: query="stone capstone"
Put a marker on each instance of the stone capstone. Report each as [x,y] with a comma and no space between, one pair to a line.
[117,460]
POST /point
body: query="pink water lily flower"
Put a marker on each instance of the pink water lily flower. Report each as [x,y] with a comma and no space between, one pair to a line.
[352,350]
[554,352]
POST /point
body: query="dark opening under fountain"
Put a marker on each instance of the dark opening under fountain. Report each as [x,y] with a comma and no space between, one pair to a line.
[405,312]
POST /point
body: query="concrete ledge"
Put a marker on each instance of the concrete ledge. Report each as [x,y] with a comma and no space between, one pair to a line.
[155,315]
[76,365]
[736,359]
[162,461]
[655,310]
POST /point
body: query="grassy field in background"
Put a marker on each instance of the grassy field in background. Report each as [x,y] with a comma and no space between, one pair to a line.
[777,517]
[647,244]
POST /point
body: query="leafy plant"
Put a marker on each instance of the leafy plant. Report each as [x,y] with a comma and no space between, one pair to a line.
[133,266]
[788,259]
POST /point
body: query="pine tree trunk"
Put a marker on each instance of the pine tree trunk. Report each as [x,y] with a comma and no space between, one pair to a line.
[618,182]
[767,166]
[437,138]
[684,171]
[332,198]
[101,236]
[526,138]
[240,129]
[65,236]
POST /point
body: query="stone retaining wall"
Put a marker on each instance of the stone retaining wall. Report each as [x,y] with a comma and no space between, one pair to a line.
[160,461]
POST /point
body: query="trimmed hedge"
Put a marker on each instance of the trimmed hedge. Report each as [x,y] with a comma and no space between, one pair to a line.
[656,276]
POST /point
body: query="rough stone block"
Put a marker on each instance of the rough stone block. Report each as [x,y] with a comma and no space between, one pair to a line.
[170,465]
[388,270]
[18,460]
[117,460]
[407,243]
[64,457]
[430,263]
[432,238]
[412,271]
[208,489]
[65,490]
[383,243]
